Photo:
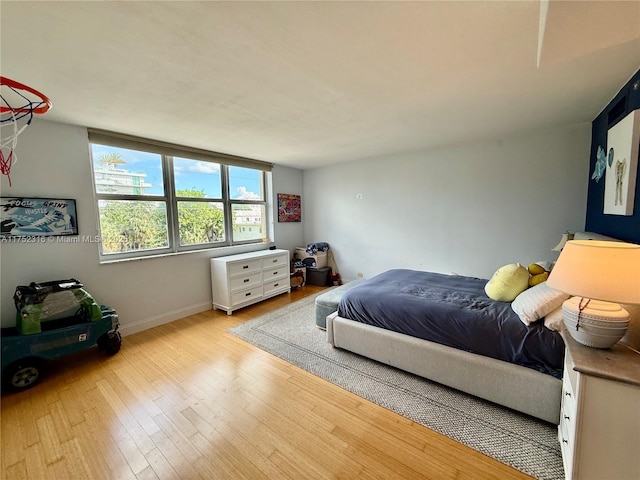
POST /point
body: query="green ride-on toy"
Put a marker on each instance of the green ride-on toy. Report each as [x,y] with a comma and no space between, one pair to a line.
[53,319]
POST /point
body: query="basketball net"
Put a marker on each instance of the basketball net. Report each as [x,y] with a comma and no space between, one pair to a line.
[18,104]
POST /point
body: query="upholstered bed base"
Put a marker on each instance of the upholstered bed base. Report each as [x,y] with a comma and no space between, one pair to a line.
[520,388]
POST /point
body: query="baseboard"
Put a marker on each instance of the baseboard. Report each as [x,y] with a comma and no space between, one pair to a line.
[164,318]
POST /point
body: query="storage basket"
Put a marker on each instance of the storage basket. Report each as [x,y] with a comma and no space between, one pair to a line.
[320,258]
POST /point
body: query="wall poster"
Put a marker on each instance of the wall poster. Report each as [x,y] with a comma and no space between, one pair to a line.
[37,217]
[289,208]
[623,142]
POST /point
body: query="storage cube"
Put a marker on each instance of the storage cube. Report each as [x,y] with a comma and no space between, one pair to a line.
[320,258]
[318,276]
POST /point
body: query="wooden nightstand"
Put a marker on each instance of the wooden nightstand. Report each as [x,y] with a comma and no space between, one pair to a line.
[599,429]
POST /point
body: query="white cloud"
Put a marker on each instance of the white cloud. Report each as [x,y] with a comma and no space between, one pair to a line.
[206,168]
[243,194]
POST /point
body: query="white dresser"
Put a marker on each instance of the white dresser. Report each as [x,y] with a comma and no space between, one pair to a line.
[240,280]
[599,429]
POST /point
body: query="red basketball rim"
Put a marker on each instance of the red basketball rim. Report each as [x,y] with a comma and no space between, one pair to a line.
[45,102]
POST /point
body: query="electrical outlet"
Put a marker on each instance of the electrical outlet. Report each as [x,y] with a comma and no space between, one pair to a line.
[360,275]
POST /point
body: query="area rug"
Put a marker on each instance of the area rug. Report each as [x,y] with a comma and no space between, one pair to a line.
[523,442]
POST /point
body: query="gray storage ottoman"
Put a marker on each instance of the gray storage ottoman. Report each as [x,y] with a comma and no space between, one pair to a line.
[327,303]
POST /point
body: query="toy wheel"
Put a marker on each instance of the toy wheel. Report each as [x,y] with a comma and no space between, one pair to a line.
[23,374]
[110,342]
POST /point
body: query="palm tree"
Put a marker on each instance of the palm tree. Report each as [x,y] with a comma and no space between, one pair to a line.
[111,159]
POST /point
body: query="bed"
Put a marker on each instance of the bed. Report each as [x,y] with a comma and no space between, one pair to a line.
[517,377]
[454,311]
[445,328]
[502,359]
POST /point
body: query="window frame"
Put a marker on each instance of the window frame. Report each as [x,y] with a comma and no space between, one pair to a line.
[170,198]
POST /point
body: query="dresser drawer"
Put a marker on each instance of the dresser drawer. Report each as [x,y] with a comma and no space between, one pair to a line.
[243,282]
[569,399]
[248,266]
[569,408]
[275,285]
[275,274]
[566,446]
[570,376]
[275,261]
[246,295]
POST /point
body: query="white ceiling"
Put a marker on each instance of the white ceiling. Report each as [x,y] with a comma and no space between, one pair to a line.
[305,84]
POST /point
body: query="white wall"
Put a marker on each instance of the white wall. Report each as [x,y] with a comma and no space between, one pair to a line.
[466,209]
[287,180]
[53,161]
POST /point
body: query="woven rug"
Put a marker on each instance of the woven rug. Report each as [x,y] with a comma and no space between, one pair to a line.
[523,442]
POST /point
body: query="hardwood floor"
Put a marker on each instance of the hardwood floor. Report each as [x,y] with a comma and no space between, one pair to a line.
[187,400]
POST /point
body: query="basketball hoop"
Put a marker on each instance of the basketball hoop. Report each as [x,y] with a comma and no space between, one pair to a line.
[18,105]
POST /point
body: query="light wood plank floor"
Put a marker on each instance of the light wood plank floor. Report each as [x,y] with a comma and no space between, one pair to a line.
[187,400]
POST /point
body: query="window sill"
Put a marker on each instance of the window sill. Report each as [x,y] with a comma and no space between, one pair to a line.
[214,252]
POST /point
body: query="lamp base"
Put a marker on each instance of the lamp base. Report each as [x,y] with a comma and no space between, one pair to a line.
[594,323]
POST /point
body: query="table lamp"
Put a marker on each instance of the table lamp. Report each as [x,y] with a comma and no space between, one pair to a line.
[600,275]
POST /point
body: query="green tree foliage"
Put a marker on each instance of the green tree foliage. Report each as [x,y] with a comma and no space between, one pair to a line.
[199,222]
[142,225]
[132,225]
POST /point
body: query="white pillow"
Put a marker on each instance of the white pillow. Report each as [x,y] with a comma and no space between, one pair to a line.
[536,302]
[553,321]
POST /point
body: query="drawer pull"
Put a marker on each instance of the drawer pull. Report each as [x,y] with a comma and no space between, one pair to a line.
[276,284]
[247,294]
[565,441]
[245,280]
[568,394]
[566,417]
[244,267]
[275,273]
[275,260]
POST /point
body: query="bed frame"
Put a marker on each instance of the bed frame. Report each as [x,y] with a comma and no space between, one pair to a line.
[520,388]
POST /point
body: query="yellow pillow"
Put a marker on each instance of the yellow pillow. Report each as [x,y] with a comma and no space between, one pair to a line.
[537,279]
[507,283]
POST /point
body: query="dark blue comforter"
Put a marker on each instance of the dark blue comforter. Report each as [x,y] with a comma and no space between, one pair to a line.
[454,311]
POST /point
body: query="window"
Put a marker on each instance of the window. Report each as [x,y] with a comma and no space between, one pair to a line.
[199,199]
[247,217]
[154,198]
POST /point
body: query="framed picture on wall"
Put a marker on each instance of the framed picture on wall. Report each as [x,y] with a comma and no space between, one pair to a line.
[37,217]
[621,170]
[289,208]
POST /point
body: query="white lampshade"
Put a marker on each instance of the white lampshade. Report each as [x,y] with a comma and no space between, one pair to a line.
[600,275]
[608,271]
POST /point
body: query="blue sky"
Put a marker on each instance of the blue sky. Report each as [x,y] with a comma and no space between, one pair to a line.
[191,174]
